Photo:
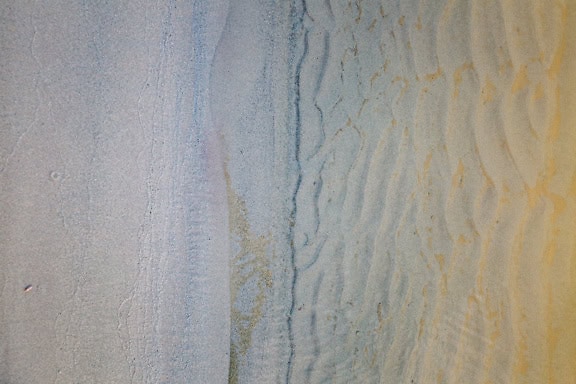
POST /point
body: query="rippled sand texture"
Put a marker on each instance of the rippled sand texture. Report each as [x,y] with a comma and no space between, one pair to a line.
[433,237]
[431,225]
[288,192]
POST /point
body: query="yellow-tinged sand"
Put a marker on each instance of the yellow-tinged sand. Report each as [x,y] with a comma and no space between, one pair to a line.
[544,281]
[546,347]
[401,183]
[519,323]
[559,267]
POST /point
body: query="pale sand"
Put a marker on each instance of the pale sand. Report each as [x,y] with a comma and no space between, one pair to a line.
[113,195]
[346,192]
[432,239]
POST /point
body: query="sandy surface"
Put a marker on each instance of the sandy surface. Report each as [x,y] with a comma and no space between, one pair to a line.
[113,196]
[303,192]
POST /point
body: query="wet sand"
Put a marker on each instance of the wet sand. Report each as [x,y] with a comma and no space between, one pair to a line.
[303,192]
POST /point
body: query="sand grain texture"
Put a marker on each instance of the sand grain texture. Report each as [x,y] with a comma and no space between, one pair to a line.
[288,192]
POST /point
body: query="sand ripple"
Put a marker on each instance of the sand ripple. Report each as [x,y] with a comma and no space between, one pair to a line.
[428,219]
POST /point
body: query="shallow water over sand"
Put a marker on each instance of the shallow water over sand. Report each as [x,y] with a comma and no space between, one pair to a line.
[289,192]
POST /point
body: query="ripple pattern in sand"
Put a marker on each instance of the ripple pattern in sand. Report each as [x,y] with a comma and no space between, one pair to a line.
[424,213]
